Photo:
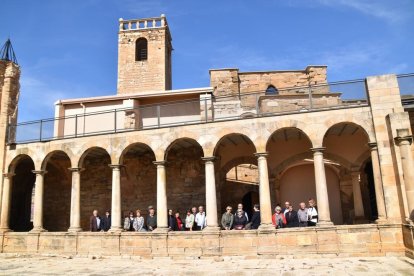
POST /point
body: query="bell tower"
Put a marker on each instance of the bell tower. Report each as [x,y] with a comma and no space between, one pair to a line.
[144,55]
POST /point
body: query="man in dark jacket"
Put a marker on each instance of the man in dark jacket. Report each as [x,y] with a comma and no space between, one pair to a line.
[106,221]
[255,223]
[291,216]
[95,222]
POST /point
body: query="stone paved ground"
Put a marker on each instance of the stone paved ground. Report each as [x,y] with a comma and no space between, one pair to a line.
[42,265]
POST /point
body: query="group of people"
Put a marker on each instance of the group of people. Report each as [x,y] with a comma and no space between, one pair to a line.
[282,217]
[195,218]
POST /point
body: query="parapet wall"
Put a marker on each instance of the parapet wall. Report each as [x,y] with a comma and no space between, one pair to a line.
[356,240]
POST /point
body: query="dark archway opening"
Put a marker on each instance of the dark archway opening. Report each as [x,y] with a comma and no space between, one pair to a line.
[21,219]
[371,191]
[248,201]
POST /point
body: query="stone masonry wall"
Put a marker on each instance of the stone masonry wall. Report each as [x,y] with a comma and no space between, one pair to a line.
[57,195]
[96,188]
[148,75]
[338,241]
[185,179]
[138,183]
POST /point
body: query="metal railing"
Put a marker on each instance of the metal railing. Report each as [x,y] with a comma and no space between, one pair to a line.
[207,109]
[406,84]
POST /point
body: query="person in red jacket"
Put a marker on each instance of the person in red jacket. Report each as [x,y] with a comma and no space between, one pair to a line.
[278,219]
[179,221]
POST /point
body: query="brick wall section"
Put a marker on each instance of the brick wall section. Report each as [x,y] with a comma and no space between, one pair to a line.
[153,74]
[57,195]
[96,188]
[138,182]
[227,82]
[185,179]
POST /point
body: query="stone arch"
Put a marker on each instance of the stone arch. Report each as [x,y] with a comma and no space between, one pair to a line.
[95,183]
[22,193]
[240,160]
[142,147]
[138,178]
[244,137]
[185,174]
[271,128]
[15,161]
[57,191]
[51,154]
[180,142]
[88,151]
[366,128]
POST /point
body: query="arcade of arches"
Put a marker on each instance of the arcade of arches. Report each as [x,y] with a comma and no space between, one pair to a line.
[62,195]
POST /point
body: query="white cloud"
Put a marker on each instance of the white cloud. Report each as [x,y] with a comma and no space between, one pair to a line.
[389,11]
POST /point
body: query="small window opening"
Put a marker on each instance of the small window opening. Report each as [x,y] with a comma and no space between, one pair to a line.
[271,90]
[141,50]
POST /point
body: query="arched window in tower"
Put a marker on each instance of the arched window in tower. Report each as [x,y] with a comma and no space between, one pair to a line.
[141,49]
[271,90]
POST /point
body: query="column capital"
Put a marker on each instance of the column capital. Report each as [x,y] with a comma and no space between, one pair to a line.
[355,169]
[76,169]
[318,149]
[9,175]
[401,139]
[209,159]
[160,163]
[115,166]
[261,154]
[373,145]
[41,172]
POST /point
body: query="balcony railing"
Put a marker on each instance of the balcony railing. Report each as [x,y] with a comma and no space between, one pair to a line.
[207,109]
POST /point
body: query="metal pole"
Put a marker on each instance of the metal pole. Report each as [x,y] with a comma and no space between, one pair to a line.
[41,129]
[205,110]
[159,115]
[76,125]
[115,120]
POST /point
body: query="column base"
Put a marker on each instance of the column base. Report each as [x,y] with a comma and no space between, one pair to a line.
[38,230]
[324,224]
[116,230]
[266,227]
[211,229]
[161,230]
[74,229]
[4,230]
[381,220]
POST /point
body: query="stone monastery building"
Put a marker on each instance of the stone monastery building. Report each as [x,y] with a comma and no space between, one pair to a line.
[251,137]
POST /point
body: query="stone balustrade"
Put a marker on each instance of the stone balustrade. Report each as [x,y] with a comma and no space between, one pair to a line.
[140,24]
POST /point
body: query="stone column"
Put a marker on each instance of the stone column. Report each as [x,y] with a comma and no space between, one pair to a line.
[211,195]
[404,141]
[264,192]
[162,215]
[356,190]
[379,191]
[75,201]
[116,225]
[38,202]
[324,214]
[6,202]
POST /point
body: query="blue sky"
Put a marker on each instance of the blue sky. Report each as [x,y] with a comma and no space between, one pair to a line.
[68,49]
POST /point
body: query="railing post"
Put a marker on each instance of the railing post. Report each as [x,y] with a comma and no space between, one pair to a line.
[76,125]
[159,115]
[205,110]
[41,129]
[115,120]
